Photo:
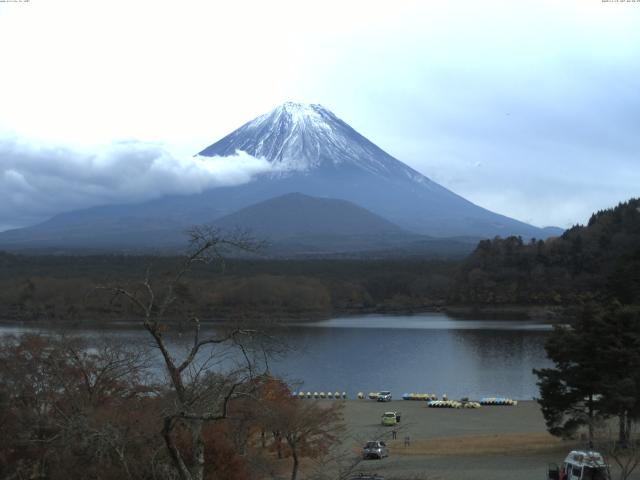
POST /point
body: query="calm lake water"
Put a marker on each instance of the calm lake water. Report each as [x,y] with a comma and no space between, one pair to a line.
[430,353]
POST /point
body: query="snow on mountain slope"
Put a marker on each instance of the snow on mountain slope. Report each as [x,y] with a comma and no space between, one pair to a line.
[315,152]
[297,137]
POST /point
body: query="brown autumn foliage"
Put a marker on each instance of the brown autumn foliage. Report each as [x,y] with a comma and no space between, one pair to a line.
[222,460]
[298,428]
[72,410]
[67,411]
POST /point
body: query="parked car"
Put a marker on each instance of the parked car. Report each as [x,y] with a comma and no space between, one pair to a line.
[384,396]
[580,465]
[389,419]
[375,449]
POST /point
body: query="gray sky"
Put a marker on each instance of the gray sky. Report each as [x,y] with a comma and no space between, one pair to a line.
[528,108]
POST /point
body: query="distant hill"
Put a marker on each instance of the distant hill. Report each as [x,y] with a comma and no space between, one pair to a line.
[109,228]
[292,225]
[296,215]
[298,225]
[599,260]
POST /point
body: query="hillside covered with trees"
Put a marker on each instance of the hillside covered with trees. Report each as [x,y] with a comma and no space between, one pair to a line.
[598,261]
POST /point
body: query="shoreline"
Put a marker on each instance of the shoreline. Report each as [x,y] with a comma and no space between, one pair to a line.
[507,313]
[515,313]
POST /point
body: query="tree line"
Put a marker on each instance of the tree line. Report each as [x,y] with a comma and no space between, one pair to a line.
[63,289]
[599,261]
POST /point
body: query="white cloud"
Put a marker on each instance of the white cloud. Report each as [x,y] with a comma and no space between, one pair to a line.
[37,180]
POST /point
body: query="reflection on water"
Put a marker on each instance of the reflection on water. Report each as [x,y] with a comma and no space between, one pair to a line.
[427,321]
[420,353]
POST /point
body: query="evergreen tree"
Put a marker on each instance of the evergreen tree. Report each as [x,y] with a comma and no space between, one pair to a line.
[621,341]
[570,393]
[596,373]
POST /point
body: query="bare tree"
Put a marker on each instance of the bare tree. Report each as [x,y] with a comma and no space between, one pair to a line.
[348,463]
[308,429]
[199,396]
[625,455]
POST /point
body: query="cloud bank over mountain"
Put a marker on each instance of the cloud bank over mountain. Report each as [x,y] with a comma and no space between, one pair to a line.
[37,180]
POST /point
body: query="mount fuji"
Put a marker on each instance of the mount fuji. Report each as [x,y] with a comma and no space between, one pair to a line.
[311,152]
[314,152]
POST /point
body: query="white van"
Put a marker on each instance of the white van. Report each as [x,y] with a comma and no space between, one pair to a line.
[580,465]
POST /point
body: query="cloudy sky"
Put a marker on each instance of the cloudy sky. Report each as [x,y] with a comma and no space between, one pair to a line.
[528,108]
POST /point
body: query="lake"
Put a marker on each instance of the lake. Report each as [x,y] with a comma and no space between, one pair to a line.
[430,353]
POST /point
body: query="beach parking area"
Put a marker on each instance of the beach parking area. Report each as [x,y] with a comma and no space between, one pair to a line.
[492,442]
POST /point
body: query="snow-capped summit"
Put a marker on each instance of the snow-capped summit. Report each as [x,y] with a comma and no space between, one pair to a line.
[301,137]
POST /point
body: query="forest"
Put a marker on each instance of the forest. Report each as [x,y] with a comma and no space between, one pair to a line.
[598,261]
[54,288]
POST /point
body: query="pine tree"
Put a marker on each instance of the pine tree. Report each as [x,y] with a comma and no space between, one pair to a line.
[596,373]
